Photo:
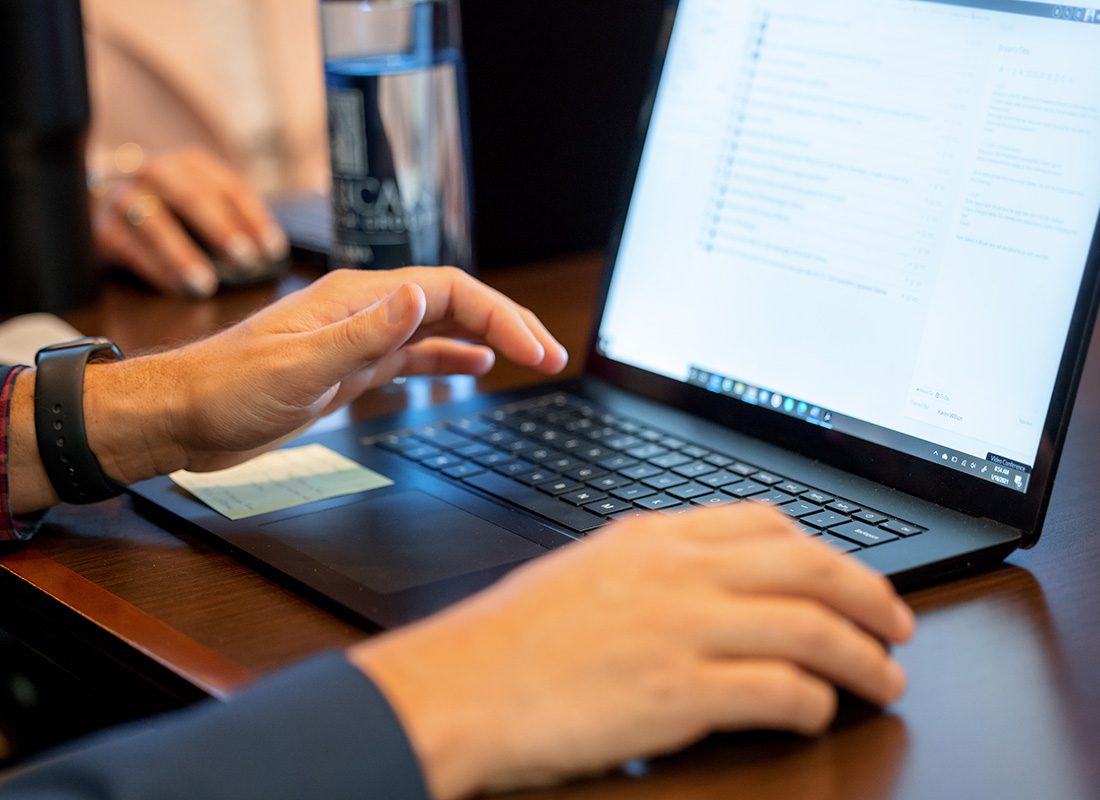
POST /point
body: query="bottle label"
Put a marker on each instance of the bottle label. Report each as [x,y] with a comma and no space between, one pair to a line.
[370,219]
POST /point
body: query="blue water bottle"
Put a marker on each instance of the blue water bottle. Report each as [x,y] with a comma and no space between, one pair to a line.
[398,129]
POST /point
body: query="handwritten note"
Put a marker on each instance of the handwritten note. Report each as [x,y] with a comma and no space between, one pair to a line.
[279,480]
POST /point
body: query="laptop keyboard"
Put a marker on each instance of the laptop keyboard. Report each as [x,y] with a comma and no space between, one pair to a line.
[581,467]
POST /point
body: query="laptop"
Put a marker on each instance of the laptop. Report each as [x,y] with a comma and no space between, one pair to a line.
[855,278]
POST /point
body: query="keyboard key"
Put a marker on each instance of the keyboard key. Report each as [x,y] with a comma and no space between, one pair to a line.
[514,468]
[790,487]
[695,469]
[719,479]
[463,470]
[714,499]
[622,442]
[843,545]
[421,453]
[398,443]
[635,491]
[594,453]
[666,480]
[583,497]
[442,462]
[690,491]
[814,496]
[646,451]
[657,502]
[562,464]
[744,470]
[800,508]
[901,528]
[694,451]
[861,533]
[470,426]
[441,438]
[494,459]
[843,507]
[609,482]
[672,443]
[826,519]
[542,454]
[473,450]
[870,517]
[584,472]
[669,460]
[534,477]
[500,438]
[616,463]
[719,461]
[563,486]
[641,471]
[633,513]
[745,489]
[575,519]
[772,498]
[650,436]
[767,478]
[608,507]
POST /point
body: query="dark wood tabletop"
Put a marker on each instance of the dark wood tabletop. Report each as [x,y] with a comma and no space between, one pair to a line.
[1004,698]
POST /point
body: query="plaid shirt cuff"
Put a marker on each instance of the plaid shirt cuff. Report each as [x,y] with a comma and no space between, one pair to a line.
[11,528]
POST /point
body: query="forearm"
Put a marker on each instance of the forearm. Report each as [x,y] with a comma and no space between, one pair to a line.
[130,409]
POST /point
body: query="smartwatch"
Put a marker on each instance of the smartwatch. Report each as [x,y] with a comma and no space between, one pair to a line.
[63,446]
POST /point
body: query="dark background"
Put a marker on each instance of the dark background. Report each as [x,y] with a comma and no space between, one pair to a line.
[555,90]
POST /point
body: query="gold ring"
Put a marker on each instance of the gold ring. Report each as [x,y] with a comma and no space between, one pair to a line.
[141,209]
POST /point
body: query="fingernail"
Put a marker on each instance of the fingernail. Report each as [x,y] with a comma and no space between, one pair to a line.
[244,252]
[895,678]
[201,281]
[276,246]
[397,306]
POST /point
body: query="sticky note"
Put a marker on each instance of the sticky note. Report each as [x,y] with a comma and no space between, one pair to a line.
[279,480]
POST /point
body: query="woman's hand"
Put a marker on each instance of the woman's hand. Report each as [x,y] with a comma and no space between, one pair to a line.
[141,221]
[638,642]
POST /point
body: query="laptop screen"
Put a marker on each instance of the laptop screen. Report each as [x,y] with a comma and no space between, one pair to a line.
[870,215]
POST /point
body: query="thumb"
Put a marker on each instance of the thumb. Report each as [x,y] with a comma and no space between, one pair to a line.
[371,334]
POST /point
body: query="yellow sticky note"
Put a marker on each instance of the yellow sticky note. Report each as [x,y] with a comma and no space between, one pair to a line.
[278,480]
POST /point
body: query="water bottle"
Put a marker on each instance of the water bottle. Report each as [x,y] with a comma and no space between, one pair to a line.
[395,83]
[46,257]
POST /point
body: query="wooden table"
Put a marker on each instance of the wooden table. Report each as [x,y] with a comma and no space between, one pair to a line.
[1005,668]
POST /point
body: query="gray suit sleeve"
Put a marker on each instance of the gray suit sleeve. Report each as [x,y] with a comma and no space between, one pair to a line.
[319,730]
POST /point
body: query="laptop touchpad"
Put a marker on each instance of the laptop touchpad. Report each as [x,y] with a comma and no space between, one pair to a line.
[401,540]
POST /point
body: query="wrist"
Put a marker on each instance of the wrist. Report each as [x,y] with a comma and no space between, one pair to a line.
[447,734]
[131,413]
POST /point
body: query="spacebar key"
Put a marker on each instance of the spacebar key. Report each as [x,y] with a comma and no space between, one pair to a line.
[575,519]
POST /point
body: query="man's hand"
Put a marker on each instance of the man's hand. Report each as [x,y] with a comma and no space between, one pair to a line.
[139,220]
[222,400]
[636,643]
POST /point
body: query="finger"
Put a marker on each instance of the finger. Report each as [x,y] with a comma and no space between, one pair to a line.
[346,347]
[765,694]
[117,242]
[441,357]
[454,297]
[176,252]
[252,212]
[806,634]
[800,567]
[191,191]
[736,521]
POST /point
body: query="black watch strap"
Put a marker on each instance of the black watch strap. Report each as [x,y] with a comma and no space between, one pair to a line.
[63,445]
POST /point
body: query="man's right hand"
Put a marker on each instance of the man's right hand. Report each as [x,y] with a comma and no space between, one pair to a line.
[639,642]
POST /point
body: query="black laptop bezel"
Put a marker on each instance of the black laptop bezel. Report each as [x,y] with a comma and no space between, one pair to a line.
[913,475]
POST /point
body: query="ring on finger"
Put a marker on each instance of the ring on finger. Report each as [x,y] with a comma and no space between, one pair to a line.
[138,211]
